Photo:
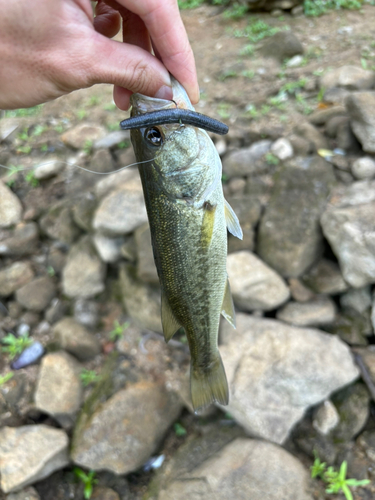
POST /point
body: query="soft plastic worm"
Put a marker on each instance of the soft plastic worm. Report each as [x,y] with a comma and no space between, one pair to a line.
[176,115]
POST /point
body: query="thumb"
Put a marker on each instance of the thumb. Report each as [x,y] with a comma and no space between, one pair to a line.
[130,67]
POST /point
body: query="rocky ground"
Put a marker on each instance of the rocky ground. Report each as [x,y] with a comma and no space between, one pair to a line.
[98,388]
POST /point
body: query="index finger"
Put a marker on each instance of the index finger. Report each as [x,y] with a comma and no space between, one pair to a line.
[167,31]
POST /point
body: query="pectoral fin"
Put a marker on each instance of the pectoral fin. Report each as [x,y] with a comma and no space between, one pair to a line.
[168,320]
[207,225]
[232,221]
[227,309]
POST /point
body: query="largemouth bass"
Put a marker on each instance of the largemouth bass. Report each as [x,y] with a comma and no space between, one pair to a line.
[188,218]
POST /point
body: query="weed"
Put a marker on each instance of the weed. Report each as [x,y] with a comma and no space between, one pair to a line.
[229,73]
[189,4]
[256,30]
[315,8]
[88,377]
[112,126]
[15,345]
[23,136]
[336,480]
[271,159]
[248,74]
[306,109]
[51,272]
[59,128]
[123,144]
[110,106]
[94,100]
[223,110]
[87,147]
[44,148]
[31,179]
[15,113]
[118,330]
[224,178]
[179,430]
[4,378]
[88,481]
[38,130]
[252,111]
[24,149]
[247,50]
[364,63]
[81,113]
[236,11]
[320,95]
[292,87]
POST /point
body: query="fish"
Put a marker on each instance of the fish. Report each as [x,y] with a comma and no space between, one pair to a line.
[181,171]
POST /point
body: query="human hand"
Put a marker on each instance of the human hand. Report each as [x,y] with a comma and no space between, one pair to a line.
[50,48]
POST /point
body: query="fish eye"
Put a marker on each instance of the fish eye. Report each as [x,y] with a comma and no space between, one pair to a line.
[154,136]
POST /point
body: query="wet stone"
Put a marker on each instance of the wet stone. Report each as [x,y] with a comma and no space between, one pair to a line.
[37,294]
[112,139]
[14,277]
[10,207]
[74,338]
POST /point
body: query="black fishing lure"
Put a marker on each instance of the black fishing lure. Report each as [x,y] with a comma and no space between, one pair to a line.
[176,115]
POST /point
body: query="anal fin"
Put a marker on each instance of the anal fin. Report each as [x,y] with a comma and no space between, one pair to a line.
[233,224]
[227,309]
[168,320]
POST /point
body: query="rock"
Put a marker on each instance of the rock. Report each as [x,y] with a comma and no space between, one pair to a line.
[325,277]
[346,140]
[336,96]
[84,273]
[29,454]
[348,77]
[283,45]
[276,371]
[313,313]
[299,291]
[75,339]
[323,116]
[244,468]
[353,407]
[373,312]
[289,236]
[352,327]
[56,258]
[364,168]
[236,186]
[58,224]
[326,418]
[295,61]
[334,124]
[48,168]
[368,357]
[142,302]
[248,210]
[29,493]
[301,146]
[312,135]
[112,181]
[102,493]
[245,161]
[29,356]
[124,432]
[101,161]
[349,225]
[14,277]
[37,295]
[254,285]
[112,139]
[86,313]
[361,109]
[121,211]
[59,391]
[358,299]
[22,241]
[10,207]
[83,211]
[82,135]
[282,149]
[109,249]
[146,269]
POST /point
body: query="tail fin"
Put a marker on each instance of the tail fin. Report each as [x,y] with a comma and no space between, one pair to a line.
[209,386]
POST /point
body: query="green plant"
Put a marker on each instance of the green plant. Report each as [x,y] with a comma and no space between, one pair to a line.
[271,159]
[81,113]
[223,110]
[229,73]
[44,148]
[189,4]
[336,480]
[15,345]
[38,130]
[31,179]
[247,50]
[88,377]
[179,430]
[123,144]
[87,147]
[236,11]
[315,8]
[14,113]
[248,74]
[4,378]
[118,330]
[88,481]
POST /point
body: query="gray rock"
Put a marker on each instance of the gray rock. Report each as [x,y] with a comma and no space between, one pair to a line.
[333,125]
[142,302]
[22,241]
[326,418]
[10,207]
[364,168]
[37,295]
[361,109]
[49,168]
[124,432]
[300,145]
[102,493]
[109,249]
[282,45]
[348,77]
[83,211]
[346,140]
[75,339]
[254,285]
[244,468]
[321,311]
[101,161]
[276,371]
[248,210]
[113,181]
[58,224]
[84,273]
[336,96]
[299,291]
[352,327]
[29,454]
[59,391]
[245,161]
[289,237]
[349,225]
[121,211]
[236,186]
[323,116]
[146,269]
[86,313]
[29,493]
[83,134]
[112,139]
[312,135]
[325,277]
[358,299]
[282,149]
[14,277]
[373,312]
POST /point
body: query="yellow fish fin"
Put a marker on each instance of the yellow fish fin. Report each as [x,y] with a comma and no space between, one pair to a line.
[208,224]
[210,385]
[168,320]
[227,309]
[233,224]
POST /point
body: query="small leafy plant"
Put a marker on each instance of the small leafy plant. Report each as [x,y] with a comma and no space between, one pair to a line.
[118,330]
[88,377]
[5,378]
[336,480]
[179,430]
[15,345]
[88,481]
[31,179]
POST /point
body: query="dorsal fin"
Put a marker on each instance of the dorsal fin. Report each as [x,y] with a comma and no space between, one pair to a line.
[233,224]
[227,309]
[168,320]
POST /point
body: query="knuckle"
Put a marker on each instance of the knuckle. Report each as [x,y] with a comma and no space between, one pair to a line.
[138,77]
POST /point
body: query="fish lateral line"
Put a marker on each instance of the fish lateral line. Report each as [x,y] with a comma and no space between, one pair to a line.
[176,115]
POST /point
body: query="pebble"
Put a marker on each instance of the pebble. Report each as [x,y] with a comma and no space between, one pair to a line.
[29,356]
[74,338]
[244,161]
[146,269]
[58,223]
[348,77]
[325,418]
[282,149]
[78,137]
[109,249]
[37,295]
[112,139]
[321,311]
[29,493]
[86,313]
[364,168]
[22,241]
[358,299]
[361,109]
[10,207]
[14,276]
[325,277]
[49,168]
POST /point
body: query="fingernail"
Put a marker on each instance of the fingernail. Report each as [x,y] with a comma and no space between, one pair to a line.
[165,92]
